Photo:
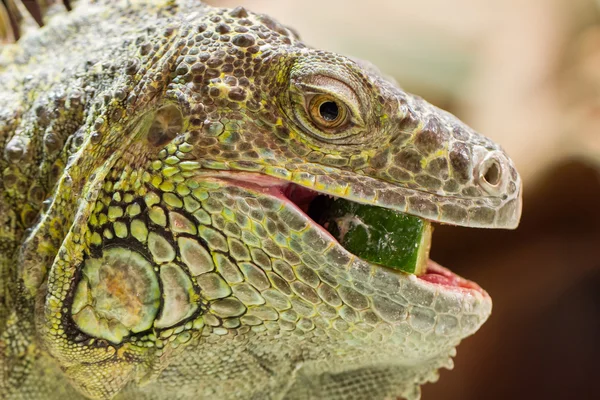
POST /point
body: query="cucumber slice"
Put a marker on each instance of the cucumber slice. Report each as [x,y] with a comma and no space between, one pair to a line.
[379,235]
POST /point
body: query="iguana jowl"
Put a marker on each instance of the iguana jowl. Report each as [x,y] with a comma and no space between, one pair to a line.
[150,241]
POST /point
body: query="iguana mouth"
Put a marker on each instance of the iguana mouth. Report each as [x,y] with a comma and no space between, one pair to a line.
[431,272]
[302,198]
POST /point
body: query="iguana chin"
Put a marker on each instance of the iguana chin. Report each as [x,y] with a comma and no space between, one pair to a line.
[151,245]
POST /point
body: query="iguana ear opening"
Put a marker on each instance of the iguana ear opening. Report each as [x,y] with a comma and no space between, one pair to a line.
[167,123]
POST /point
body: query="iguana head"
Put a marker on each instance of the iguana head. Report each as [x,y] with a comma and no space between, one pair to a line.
[191,253]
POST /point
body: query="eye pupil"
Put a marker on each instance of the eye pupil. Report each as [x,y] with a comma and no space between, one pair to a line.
[329,111]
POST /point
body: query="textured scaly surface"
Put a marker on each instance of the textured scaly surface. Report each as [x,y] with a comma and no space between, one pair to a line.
[149,247]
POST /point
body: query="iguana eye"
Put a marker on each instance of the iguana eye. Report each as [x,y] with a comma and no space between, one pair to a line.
[326,112]
[326,108]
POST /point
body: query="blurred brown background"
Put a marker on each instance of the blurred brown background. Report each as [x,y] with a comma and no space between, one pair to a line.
[527,74]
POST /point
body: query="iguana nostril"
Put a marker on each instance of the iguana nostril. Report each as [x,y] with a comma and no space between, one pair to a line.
[492,174]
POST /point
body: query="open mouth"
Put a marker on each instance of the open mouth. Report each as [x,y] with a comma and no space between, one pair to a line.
[316,206]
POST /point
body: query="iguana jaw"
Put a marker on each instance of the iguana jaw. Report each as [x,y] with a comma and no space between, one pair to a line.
[439,301]
[299,197]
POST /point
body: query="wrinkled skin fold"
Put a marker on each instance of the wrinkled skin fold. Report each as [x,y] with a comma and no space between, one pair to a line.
[148,248]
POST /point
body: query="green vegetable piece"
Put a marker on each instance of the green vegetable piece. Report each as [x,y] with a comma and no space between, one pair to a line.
[378,235]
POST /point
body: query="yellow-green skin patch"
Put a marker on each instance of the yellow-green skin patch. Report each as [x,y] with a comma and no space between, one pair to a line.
[195,256]
[118,294]
[161,249]
[178,294]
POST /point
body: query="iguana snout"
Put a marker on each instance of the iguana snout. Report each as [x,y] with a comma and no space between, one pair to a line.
[323,121]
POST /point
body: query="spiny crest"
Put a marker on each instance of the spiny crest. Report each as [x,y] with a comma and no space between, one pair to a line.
[17,16]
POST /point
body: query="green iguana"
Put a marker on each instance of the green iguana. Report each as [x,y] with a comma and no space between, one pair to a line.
[156,161]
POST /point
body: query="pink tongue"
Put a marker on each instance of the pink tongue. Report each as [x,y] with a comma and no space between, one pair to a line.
[439,279]
[442,276]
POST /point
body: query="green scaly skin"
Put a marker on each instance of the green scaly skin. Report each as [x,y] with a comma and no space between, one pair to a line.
[147,249]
